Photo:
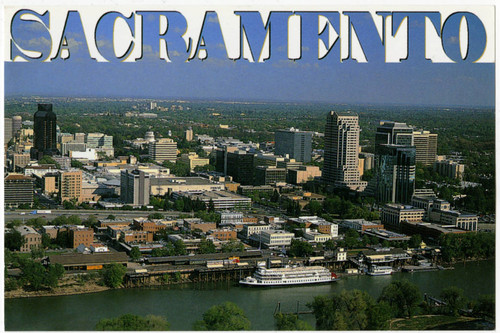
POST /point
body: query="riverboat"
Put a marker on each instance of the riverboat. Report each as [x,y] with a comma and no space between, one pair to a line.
[379,270]
[289,276]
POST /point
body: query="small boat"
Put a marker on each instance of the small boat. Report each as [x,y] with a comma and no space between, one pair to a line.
[379,270]
[289,276]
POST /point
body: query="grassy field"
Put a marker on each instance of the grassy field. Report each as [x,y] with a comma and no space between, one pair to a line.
[428,322]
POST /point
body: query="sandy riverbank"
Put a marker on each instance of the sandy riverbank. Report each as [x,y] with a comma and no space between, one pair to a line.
[69,289]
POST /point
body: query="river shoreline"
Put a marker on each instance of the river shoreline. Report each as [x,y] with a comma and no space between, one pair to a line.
[73,288]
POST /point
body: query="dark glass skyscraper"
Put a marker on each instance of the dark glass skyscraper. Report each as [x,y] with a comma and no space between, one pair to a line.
[395,173]
[44,132]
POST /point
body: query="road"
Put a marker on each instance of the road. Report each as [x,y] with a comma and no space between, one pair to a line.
[84,214]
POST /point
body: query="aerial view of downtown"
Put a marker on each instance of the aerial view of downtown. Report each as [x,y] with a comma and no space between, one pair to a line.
[173,181]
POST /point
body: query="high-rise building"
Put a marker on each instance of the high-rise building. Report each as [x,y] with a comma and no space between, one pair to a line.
[426,147]
[189,134]
[44,141]
[240,166]
[395,173]
[163,150]
[18,190]
[135,187]
[390,132]
[295,143]
[7,127]
[341,151]
[17,123]
[70,186]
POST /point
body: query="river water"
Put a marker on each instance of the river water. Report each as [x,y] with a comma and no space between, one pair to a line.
[182,305]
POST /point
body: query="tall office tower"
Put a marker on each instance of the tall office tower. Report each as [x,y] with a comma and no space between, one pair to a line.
[189,134]
[163,150]
[17,123]
[240,166]
[426,145]
[395,173]
[341,151]
[7,127]
[390,132]
[295,143]
[135,187]
[44,131]
[70,186]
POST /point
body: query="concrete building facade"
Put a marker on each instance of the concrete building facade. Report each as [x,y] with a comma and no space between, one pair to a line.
[341,151]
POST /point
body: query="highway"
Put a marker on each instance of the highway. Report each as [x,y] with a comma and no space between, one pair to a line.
[25,215]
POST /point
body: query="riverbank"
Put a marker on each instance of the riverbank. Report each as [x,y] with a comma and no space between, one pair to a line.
[182,304]
[63,290]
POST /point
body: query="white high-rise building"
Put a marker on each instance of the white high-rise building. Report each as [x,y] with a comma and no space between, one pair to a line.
[341,151]
[163,150]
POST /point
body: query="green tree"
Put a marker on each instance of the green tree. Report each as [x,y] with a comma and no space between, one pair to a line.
[53,274]
[179,247]
[349,310]
[135,253]
[403,297]
[225,317]
[90,222]
[13,223]
[129,322]
[300,248]
[211,206]
[113,275]
[32,274]
[485,306]
[46,159]
[37,252]
[232,246]
[155,216]
[415,241]
[290,322]
[111,217]
[206,246]
[454,298]
[14,240]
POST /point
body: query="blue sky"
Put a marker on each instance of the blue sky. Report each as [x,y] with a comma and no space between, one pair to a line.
[411,82]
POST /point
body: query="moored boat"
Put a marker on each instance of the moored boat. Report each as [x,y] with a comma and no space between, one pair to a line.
[379,270]
[289,276]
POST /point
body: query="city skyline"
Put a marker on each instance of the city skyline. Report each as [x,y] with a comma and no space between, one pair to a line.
[411,82]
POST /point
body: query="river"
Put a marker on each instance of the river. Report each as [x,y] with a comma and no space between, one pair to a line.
[183,304]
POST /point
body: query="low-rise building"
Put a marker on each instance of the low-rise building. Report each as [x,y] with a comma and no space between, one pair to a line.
[250,229]
[144,224]
[168,185]
[450,169]
[340,254]
[317,237]
[81,235]
[429,230]
[272,238]
[361,225]
[32,239]
[303,174]
[136,236]
[393,214]
[223,234]
[221,199]
[195,223]
[193,160]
